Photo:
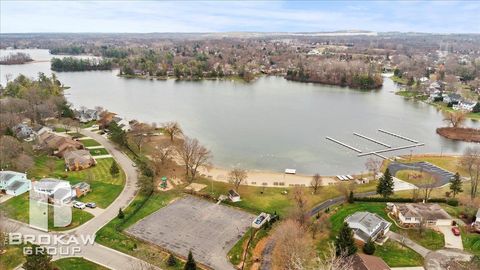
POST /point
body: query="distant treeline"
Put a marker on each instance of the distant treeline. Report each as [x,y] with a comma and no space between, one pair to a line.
[74,64]
[15,59]
[72,50]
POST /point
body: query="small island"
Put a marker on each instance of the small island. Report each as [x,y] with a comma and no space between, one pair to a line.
[76,64]
[15,59]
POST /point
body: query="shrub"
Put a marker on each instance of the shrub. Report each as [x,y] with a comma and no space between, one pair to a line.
[369,247]
[171,261]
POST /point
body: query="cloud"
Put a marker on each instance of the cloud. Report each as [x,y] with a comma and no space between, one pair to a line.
[221,16]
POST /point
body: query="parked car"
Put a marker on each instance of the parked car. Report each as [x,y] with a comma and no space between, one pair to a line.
[94,126]
[456,231]
[91,205]
[79,205]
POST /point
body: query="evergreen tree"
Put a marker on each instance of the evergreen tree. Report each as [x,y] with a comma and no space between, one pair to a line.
[456,184]
[120,215]
[385,184]
[369,247]
[38,259]
[476,108]
[114,170]
[344,243]
[171,261]
[351,198]
[190,264]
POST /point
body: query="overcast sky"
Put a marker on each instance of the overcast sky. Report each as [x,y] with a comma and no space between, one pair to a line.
[225,16]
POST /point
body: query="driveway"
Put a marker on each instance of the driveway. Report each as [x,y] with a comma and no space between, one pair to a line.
[451,241]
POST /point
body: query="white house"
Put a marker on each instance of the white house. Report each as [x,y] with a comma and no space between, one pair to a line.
[14,183]
[415,213]
[368,225]
[57,190]
[465,106]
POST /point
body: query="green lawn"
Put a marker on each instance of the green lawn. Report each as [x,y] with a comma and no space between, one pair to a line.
[77,264]
[399,80]
[11,259]
[396,255]
[17,208]
[90,142]
[111,235]
[471,242]
[105,188]
[415,177]
[98,152]
[272,200]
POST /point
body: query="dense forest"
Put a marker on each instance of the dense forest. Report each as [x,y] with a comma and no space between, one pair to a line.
[75,64]
[15,59]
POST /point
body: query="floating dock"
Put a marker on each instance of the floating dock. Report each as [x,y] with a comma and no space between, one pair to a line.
[344,144]
[372,140]
[398,136]
[390,149]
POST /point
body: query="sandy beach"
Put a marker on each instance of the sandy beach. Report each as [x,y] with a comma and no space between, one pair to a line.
[265,178]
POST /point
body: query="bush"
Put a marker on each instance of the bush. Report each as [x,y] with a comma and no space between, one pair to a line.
[369,247]
[171,261]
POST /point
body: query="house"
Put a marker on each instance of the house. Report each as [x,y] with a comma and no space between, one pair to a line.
[233,195]
[58,191]
[453,98]
[414,214]
[367,226]
[14,183]
[81,189]
[23,131]
[368,262]
[60,144]
[121,123]
[87,115]
[465,106]
[76,160]
[39,130]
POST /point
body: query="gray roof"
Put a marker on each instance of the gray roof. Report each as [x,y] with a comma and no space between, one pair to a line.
[16,185]
[428,211]
[48,183]
[366,224]
[81,185]
[7,175]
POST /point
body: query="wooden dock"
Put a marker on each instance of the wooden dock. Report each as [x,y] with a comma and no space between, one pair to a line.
[344,144]
[398,136]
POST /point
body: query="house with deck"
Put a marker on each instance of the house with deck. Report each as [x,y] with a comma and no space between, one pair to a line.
[366,225]
[59,144]
[14,183]
[415,214]
[57,191]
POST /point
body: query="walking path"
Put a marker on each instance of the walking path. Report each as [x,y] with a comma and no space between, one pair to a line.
[95,147]
[102,156]
[97,253]
[409,243]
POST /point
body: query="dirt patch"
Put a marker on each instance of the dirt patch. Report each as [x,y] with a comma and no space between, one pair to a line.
[257,253]
[460,134]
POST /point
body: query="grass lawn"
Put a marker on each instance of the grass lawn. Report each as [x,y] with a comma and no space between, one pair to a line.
[90,142]
[111,235]
[77,264]
[415,177]
[396,255]
[272,200]
[17,208]
[13,258]
[105,188]
[471,242]
[98,152]
[399,80]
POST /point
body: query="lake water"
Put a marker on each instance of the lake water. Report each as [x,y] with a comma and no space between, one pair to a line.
[270,124]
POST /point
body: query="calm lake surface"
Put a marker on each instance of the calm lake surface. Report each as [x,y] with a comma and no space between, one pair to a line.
[271,124]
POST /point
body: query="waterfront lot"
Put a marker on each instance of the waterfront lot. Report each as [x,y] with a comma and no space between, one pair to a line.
[209,230]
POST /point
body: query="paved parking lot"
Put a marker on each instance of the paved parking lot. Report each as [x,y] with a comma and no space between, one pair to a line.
[208,229]
[442,176]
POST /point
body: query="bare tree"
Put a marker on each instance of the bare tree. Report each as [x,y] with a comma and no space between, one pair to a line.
[237,177]
[471,162]
[160,156]
[194,156]
[330,261]
[139,134]
[173,129]
[427,184]
[455,119]
[23,162]
[10,148]
[346,188]
[316,183]
[373,166]
[300,211]
[66,123]
[293,249]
